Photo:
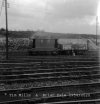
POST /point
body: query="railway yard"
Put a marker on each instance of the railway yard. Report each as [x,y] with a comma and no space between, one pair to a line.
[49,52]
[50,80]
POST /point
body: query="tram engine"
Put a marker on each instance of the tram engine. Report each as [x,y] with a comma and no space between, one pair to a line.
[44,46]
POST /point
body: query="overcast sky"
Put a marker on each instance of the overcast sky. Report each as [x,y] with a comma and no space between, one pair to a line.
[65,16]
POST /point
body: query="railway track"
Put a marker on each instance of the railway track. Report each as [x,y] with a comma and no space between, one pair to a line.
[50,64]
[48,71]
[34,59]
[94,101]
[50,75]
[50,80]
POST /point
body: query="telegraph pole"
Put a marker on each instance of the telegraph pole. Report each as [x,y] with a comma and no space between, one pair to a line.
[96,29]
[6,15]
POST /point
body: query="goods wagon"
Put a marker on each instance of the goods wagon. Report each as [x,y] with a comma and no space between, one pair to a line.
[73,46]
[79,48]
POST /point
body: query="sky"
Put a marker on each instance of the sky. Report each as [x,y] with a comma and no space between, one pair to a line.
[62,16]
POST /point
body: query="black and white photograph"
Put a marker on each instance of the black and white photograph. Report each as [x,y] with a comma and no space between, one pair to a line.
[49,51]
